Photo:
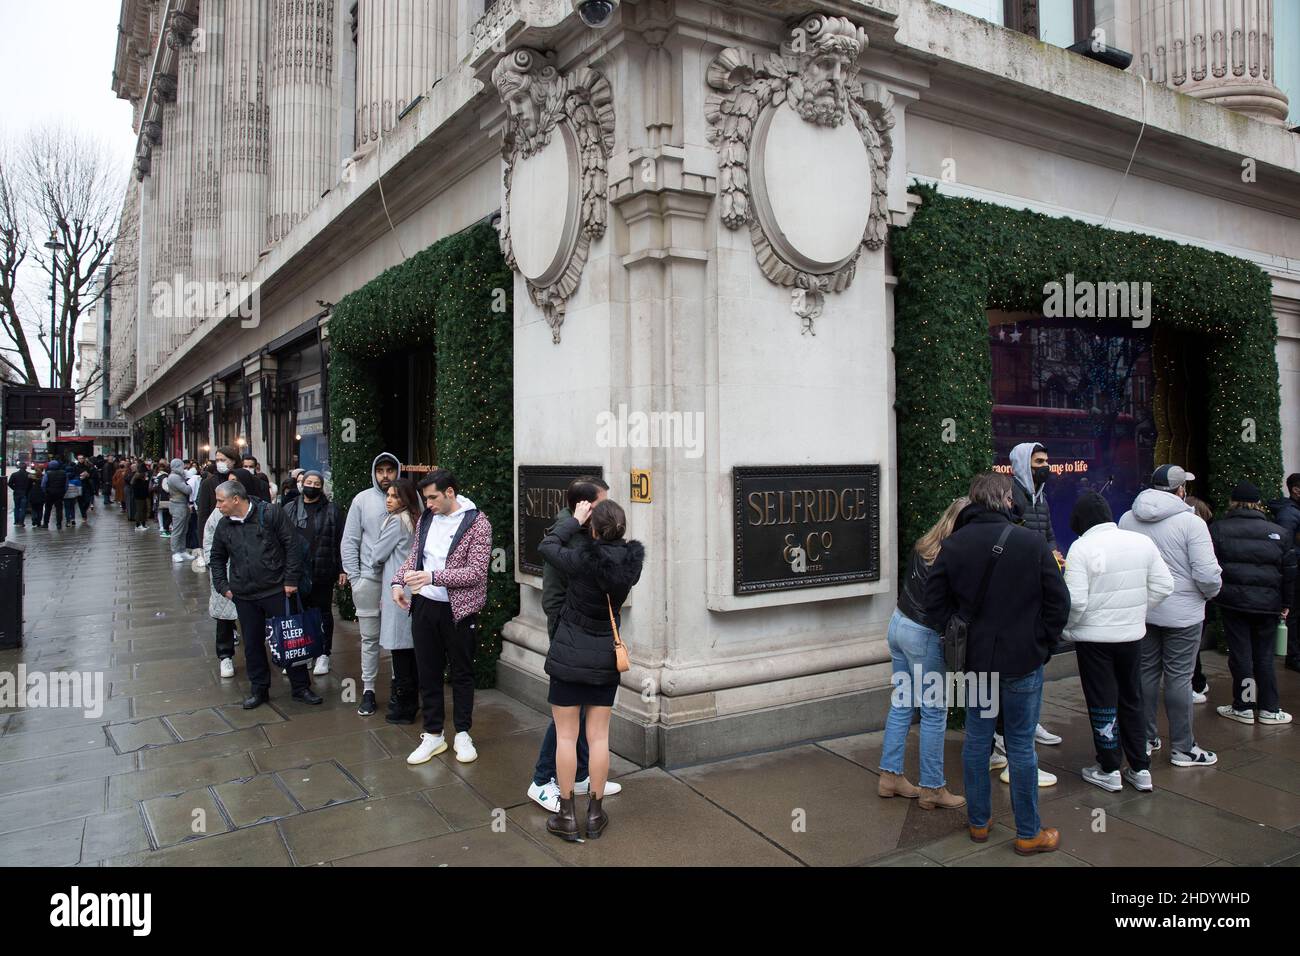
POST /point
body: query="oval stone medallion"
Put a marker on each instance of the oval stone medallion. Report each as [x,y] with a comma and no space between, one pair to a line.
[812,189]
[544,208]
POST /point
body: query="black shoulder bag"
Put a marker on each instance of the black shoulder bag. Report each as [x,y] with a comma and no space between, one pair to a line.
[957,632]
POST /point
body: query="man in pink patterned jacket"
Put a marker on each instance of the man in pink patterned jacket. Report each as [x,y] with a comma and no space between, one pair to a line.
[447,572]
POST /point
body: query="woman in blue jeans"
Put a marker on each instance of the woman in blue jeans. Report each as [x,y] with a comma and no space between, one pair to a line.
[919,680]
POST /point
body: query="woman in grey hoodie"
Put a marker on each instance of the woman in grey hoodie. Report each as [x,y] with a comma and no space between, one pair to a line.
[177,487]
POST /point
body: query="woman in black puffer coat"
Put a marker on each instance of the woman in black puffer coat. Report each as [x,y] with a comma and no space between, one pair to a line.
[602,568]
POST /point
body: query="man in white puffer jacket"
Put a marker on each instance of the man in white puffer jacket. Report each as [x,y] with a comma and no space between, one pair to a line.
[1115,577]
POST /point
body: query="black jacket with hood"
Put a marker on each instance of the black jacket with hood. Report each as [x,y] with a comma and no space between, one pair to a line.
[56,481]
[320,523]
[1031,499]
[1027,603]
[1259,563]
[582,649]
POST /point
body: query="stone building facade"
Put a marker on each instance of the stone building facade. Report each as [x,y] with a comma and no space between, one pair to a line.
[696,202]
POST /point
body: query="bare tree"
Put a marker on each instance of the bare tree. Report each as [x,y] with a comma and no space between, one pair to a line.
[61,185]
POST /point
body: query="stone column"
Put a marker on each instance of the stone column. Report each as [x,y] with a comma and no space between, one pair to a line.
[1216,50]
[403,46]
[303,122]
[245,141]
[181,214]
[253,369]
[205,190]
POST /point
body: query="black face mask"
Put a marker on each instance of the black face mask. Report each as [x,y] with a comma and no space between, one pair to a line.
[1041,474]
[311,494]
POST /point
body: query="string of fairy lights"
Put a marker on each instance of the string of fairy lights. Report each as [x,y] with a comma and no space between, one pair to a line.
[958,258]
[440,298]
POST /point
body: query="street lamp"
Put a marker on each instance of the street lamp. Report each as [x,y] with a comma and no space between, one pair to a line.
[55,248]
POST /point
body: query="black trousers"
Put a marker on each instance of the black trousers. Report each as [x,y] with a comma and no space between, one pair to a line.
[321,597]
[225,639]
[1251,641]
[253,616]
[1293,628]
[439,640]
[1112,687]
[53,506]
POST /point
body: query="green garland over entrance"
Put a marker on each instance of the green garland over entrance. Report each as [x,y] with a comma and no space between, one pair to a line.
[959,257]
[456,297]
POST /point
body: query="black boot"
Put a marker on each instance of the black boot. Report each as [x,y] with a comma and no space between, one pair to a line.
[394,714]
[259,697]
[597,819]
[563,823]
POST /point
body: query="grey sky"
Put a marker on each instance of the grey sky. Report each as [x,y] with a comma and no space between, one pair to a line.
[56,65]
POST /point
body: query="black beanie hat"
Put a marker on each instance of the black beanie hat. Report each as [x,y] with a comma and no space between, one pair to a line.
[1246,492]
[1090,510]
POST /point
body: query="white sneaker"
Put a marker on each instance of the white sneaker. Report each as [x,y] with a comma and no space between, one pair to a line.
[1240,716]
[227,667]
[1139,779]
[1045,736]
[584,786]
[464,745]
[546,795]
[178,557]
[322,665]
[430,747]
[1198,696]
[1196,758]
[1111,782]
[1153,746]
[997,761]
[1045,779]
[1278,716]
[999,745]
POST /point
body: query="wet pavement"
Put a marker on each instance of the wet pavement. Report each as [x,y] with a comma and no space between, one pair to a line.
[173,772]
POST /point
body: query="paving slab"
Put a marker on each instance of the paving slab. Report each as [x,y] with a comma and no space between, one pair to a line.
[151,732]
[251,846]
[113,834]
[478,847]
[359,827]
[198,723]
[55,844]
[320,785]
[71,739]
[255,800]
[187,816]
[463,809]
[32,808]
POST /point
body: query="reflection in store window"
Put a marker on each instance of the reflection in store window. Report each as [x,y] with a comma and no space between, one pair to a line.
[1082,388]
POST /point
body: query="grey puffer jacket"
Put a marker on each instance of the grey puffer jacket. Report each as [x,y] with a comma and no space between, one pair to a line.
[1185,544]
[220,607]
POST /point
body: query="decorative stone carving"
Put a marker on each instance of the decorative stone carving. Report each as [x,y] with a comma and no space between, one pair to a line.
[779,123]
[559,137]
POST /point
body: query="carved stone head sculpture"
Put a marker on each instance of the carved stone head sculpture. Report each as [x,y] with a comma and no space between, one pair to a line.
[774,120]
[559,136]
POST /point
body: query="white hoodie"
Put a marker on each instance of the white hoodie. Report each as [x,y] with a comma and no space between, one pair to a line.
[1184,543]
[1115,577]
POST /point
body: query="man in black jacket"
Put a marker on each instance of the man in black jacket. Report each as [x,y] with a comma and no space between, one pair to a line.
[263,489]
[227,460]
[20,483]
[257,541]
[55,485]
[1259,573]
[1022,612]
[320,523]
[1286,512]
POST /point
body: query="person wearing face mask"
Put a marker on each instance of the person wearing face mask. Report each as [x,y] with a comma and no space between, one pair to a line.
[320,523]
[1030,473]
[226,459]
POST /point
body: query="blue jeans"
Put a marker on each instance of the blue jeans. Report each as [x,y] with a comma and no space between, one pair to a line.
[917,653]
[1021,699]
[70,509]
[544,772]
[20,508]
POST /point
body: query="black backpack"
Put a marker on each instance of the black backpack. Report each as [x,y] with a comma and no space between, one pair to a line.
[56,484]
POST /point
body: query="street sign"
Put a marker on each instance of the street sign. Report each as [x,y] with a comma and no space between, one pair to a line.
[105,428]
[29,407]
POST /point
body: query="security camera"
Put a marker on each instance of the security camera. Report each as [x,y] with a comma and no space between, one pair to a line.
[596,14]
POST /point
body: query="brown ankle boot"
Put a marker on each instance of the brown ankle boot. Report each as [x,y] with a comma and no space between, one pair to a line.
[896,785]
[979,834]
[1048,839]
[932,797]
[564,823]
[597,819]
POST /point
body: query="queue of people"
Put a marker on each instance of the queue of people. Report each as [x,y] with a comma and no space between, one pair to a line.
[1130,597]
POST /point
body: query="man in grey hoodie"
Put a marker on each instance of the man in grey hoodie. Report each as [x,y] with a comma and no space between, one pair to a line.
[365,520]
[1030,469]
[1174,625]
[177,488]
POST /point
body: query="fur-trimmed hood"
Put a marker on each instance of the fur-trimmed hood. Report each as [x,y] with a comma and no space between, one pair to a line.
[616,564]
